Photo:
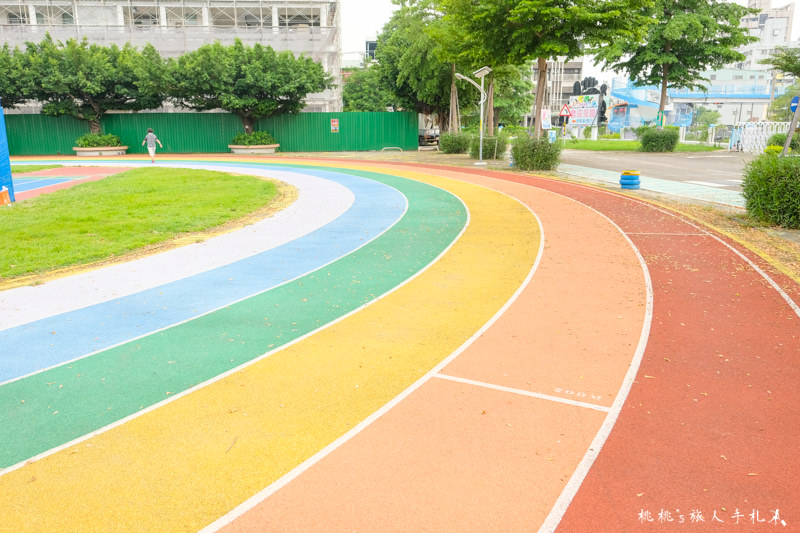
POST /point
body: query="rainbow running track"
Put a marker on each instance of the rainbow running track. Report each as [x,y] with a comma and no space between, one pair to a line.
[408,348]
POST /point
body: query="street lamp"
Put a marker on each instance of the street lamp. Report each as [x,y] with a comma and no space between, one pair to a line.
[480,73]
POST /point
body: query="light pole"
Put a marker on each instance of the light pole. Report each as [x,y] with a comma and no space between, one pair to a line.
[480,73]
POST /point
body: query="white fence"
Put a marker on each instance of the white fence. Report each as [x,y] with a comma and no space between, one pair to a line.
[752,137]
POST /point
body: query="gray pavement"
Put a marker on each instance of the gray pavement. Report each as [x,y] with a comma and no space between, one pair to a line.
[714,177]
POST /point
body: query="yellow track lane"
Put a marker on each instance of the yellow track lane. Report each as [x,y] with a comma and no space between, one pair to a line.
[185,464]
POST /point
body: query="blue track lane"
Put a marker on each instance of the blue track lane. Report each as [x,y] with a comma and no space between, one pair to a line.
[55,340]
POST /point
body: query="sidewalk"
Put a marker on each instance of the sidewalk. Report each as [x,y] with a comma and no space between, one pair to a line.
[675,188]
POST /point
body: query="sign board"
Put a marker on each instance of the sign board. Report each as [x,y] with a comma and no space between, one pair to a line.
[551,136]
[547,123]
[5,162]
[793,105]
[565,111]
[584,109]
[334,125]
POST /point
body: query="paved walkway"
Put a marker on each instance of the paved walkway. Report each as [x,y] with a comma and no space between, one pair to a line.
[681,189]
[432,349]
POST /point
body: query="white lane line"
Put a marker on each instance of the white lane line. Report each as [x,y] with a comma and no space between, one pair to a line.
[671,234]
[319,202]
[524,392]
[736,181]
[293,474]
[722,171]
[576,480]
[706,183]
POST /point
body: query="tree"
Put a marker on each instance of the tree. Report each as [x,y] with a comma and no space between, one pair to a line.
[516,31]
[86,81]
[251,82]
[705,117]
[687,38]
[363,91]
[514,96]
[410,65]
[14,87]
[779,110]
[787,60]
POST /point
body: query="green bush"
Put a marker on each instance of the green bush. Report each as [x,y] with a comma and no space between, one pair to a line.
[779,139]
[655,140]
[535,154]
[771,190]
[94,140]
[609,136]
[489,148]
[254,138]
[454,143]
[774,150]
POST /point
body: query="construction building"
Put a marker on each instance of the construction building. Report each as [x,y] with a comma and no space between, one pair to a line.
[173,27]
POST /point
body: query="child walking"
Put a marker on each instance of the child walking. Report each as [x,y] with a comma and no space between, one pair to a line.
[151,141]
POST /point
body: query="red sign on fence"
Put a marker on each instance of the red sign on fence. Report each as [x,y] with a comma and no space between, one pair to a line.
[334,125]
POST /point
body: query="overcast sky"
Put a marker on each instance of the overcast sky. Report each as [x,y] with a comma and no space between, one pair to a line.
[362,20]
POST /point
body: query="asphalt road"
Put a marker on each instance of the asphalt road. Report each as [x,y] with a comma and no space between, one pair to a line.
[720,169]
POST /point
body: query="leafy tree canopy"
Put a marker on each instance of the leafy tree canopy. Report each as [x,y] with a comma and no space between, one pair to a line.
[87,80]
[409,64]
[705,117]
[251,82]
[786,60]
[13,81]
[516,31]
[363,91]
[686,38]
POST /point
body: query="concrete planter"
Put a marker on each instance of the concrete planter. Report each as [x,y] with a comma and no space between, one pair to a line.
[253,149]
[100,151]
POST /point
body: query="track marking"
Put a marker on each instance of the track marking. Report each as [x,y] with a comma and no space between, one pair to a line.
[293,474]
[523,392]
[706,183]
[670,234]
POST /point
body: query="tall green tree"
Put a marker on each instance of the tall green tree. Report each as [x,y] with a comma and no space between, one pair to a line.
[512,32]
[363,91]
[14,81]
[251,82]
[787,60]
[705,117]
[687,38]
[86,81]
[410,65]
[779,110]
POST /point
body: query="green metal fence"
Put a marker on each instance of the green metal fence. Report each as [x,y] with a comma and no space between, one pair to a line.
[212,132]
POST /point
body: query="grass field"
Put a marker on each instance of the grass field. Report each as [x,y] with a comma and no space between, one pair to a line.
[630,146]
[21,169]
[100,220]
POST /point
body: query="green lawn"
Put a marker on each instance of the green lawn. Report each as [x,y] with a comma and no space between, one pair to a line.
[124,212]
[21,169]
[629,146]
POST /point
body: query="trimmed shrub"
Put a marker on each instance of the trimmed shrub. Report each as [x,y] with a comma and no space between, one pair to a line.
[499,143]
[95,140]
[254,138]
[454,143]
[774,150]
[779,139]
[655,140]
[771,190]
[535,154]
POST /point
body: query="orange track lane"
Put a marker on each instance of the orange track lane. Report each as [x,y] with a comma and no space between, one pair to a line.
[488,444]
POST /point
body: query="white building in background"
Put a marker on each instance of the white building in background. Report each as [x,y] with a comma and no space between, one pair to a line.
[173,27]
[772,26]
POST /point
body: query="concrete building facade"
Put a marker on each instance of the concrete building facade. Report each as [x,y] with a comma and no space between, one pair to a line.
[173,27]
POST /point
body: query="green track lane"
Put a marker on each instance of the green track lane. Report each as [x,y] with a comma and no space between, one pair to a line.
[54,407]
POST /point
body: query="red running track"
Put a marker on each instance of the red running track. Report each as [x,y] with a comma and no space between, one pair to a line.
[708,438]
